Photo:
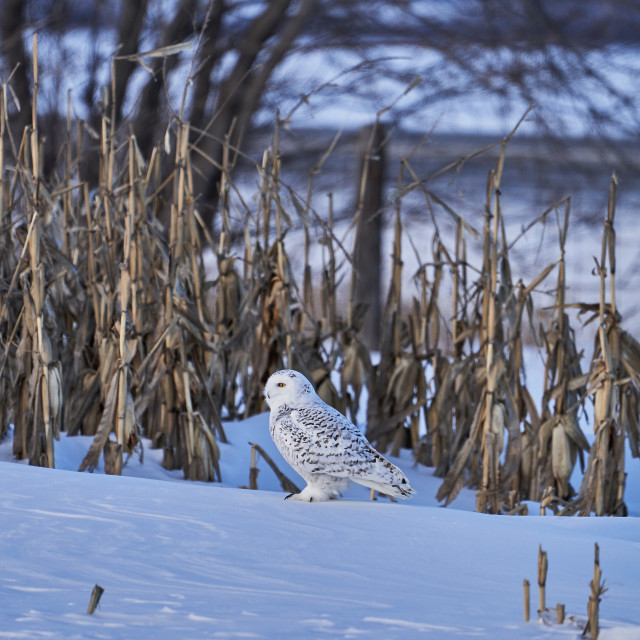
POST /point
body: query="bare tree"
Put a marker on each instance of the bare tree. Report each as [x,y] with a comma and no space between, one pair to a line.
[15,56]
[260,47]
[556,55]
[367,252]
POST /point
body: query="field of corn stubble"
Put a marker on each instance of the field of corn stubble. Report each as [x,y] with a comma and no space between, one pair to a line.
[112,327]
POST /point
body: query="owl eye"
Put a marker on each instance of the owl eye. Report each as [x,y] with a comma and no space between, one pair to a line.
[281,384]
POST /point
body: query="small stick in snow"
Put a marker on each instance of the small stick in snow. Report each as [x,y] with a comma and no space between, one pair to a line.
[526,585]
[96,594]
[597,589]
[542,576]
[253,470]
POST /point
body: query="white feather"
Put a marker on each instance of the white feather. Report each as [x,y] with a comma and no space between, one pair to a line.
[325,448]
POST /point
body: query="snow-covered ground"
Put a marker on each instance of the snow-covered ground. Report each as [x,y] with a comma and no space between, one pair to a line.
[187,560]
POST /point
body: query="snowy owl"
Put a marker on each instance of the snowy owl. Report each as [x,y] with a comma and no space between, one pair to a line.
[320,443]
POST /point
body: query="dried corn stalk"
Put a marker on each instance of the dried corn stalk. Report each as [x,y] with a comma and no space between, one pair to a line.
[397,390]
[560,439]
[40,396]
[613,383]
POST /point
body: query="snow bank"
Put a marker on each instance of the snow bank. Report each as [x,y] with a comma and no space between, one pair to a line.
[193,560]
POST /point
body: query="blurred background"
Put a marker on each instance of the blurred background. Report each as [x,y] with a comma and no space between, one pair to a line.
[457,68]
[444,79]
[440,82]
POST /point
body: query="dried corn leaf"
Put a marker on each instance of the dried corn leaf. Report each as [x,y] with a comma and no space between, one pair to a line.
[544,436]
[403,381]
[630,349]
[356,366]
[630,418]
[451,486]
[602,402]
[498,424]
[563,458]
[572,428]
[579,382]
[92,456]
[55,397]
[130,431]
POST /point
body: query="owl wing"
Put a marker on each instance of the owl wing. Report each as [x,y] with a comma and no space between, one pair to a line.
[331,444]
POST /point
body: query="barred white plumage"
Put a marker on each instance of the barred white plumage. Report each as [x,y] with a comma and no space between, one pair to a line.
[325,448]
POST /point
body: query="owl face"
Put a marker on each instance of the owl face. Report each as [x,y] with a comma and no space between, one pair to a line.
[287,387]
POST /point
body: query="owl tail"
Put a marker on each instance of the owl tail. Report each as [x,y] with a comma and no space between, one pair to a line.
[402,490]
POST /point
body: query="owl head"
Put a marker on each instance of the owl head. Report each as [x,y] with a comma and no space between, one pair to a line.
[288,387]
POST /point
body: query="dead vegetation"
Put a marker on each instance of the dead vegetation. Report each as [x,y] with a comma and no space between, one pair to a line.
[112,327]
